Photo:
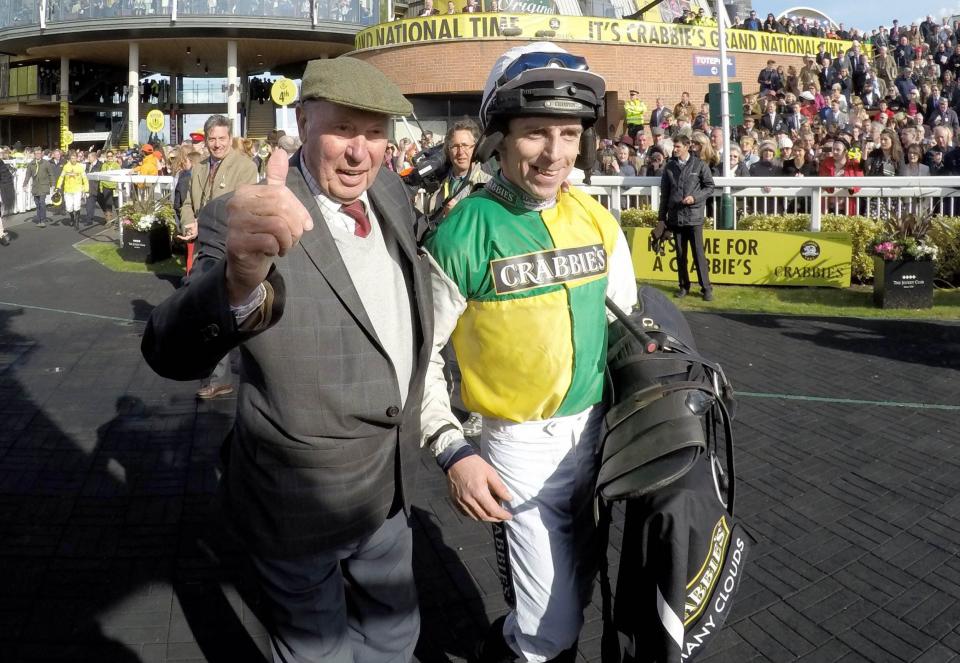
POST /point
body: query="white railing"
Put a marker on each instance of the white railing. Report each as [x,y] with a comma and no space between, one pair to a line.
[795,195]
[162,185]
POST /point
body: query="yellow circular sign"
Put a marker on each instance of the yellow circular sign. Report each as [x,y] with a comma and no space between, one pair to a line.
[155,120]
[283,92]
[67,137]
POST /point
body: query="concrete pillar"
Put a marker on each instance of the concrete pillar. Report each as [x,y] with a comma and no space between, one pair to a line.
[133,94]
[233,88]
[64,78]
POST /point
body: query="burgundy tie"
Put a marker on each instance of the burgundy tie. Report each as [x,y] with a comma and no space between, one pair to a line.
[358,213]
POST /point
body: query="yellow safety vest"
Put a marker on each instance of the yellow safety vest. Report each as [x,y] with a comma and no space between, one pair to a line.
[635,110]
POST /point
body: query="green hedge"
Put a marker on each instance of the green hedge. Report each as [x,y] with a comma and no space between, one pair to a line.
[946,236]
[860,228]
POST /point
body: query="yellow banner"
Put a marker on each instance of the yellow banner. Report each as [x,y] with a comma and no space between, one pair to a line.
[458,27]
[748,257]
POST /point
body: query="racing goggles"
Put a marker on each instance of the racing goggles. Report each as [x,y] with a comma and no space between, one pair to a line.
[529,61]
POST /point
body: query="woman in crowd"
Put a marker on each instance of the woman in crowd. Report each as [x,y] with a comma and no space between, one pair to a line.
[184,166]
[791,158]
[389,157]
[770,24]
[766,166]
[838,165]
[700,146]
[836,94]
[913,167]
[737,167]
[887,158]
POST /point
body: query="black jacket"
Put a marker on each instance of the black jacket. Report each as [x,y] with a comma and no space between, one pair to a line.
[8,195]
[773,124]
[678,182]
[765,169]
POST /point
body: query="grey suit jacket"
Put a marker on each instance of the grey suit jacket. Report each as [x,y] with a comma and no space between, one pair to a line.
[321,449]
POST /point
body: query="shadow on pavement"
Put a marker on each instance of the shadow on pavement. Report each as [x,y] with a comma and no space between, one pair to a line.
[932,344]
[99,536]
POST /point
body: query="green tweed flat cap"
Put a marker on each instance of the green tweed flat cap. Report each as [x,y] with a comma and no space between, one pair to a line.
[353,83]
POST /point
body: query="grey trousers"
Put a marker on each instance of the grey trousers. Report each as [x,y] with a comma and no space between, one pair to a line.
[354,604]
[221,372]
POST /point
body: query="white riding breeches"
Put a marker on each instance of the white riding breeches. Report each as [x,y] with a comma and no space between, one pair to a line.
[71,201]
[545,553]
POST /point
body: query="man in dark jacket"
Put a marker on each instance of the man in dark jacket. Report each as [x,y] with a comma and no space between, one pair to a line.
[39,181]
[8,199]
[684,188]
[771,120]
[92,165]
[769,78]
[903,54]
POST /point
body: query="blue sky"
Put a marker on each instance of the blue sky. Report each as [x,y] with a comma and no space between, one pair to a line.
[866,14]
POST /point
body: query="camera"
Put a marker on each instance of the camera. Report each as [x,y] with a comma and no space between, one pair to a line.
[429,169]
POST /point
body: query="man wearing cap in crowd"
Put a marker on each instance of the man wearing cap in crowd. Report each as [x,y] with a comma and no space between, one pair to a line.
[314,273]
[635,113]
[220,173]
[521,272]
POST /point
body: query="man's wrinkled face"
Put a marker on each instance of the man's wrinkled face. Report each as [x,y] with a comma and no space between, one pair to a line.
[343,147]
[538,153]
[218,142]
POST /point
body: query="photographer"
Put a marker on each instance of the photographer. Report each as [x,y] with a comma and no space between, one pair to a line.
[458,145]
[656,159]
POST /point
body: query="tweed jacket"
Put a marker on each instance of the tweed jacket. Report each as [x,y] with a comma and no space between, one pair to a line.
[321,449]
[237,169]
[40,177]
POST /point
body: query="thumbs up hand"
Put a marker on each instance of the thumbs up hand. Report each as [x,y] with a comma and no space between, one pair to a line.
[263,221]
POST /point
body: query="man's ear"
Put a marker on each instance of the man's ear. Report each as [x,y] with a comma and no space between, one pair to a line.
[301,123]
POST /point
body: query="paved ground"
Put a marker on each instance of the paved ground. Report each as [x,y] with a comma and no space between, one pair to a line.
[848,462]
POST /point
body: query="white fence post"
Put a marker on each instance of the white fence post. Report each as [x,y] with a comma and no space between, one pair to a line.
[815,208]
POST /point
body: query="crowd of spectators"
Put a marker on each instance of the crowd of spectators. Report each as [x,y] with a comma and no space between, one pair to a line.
[148,159]
[890,112]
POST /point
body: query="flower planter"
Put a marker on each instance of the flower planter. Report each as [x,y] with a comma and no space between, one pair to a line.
[144,246]
[903,283]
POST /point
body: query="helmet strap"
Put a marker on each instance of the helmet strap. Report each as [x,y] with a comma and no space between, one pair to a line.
[488,144]
[587,158]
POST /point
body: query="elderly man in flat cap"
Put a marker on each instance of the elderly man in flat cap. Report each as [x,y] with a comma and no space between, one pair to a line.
[315,275]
